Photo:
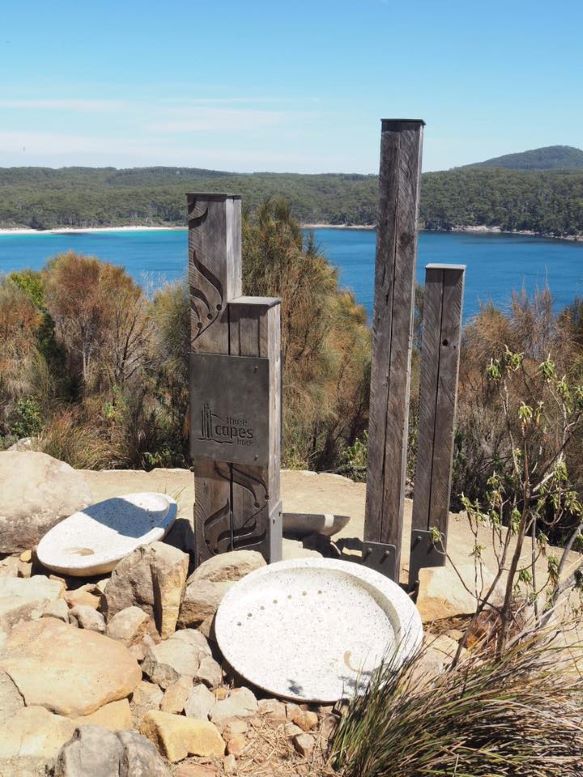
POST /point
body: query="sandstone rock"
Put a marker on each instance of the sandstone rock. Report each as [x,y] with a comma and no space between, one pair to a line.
[292,730]
[34,732]
[37,492]
[87,618]
[236,745]
[193,637]
[140,758]
[176,657]
[130,625]
[96,752]
[201,601]
[140,649]
[21,598]
[304,744]
[200,703]
[57,609]
[92,751]
[177,737]
[305,719]
[208,584]
[10,567]
[228,567]
[10,699]
[209,672]
[443,595]
[240,703]
[153,578]
[68,670]
[146,696]
[177,695]
[230,764]
[115,716]
[272,709]
[84,597]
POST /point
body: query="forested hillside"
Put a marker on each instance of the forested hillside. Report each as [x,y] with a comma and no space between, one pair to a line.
[547,158]
[548,202]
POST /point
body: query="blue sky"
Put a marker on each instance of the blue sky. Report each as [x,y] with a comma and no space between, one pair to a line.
[256,85]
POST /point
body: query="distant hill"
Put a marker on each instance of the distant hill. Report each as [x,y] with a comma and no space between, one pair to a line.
[510,192]
[547,158]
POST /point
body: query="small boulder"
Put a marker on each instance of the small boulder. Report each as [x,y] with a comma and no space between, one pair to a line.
[115,716]
[11,700]
[443,595]
[179,656]
[146,696]
[24,598]
[140,758]
[211,580]
[240,703]
[304,744]
[68,670]
[200,703]
[178,737]
[37,492]
[305,719]
[87,596]
[272,709]
[177,695]
[153,578]
[34,732]
[87,618]
[94,751]
[130,625]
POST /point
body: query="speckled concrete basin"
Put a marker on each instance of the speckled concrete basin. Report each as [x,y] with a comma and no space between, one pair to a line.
[92,541]
[303,524]
[315,629]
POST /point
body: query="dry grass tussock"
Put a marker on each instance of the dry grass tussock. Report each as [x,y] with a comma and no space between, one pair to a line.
[520,715]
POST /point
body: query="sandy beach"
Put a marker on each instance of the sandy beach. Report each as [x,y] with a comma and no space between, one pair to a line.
[70,230]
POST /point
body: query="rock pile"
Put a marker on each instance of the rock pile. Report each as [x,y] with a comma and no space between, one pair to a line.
[121,677]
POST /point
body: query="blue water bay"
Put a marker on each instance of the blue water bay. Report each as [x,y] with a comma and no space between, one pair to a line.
[496,264]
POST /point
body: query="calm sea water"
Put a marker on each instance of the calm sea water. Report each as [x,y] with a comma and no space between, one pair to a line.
[496,264]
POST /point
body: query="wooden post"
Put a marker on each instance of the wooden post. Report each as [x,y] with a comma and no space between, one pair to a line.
[235,390]
[400,169]
[440,355]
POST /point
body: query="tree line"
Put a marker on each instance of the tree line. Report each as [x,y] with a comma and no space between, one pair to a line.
[545,202]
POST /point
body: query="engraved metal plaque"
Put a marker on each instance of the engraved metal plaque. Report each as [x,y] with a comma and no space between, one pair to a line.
[229,406]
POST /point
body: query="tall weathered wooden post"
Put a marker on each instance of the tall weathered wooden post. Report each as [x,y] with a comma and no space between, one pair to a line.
[440,357]
[235,390]
[400,169]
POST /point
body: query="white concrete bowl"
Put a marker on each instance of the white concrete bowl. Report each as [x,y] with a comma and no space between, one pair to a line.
[315,629]
[94,540]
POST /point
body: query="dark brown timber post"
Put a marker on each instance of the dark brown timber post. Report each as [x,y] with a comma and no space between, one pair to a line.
[440,355]
[235,390]
[400,169]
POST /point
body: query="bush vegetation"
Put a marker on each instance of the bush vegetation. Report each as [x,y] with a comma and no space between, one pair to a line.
[548,202]
[99,374]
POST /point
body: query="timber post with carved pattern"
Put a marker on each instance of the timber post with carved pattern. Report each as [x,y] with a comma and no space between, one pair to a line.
[235,430]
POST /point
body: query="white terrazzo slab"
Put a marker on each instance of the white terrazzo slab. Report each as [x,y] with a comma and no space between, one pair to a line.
[94,540]
[315,629]
[303,524]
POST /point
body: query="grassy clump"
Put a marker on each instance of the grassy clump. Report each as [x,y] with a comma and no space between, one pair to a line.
[517,716]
